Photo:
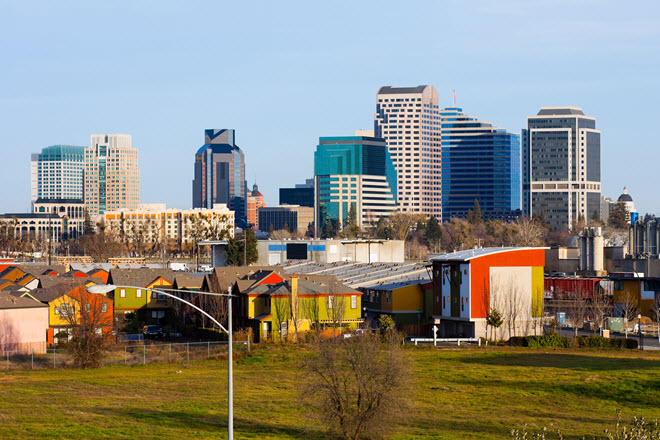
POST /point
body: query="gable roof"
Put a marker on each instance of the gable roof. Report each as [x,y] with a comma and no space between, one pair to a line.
[11,302]
[48,281]
[188,282]
[139,277]
[37,269]
[470,254]
[228,276]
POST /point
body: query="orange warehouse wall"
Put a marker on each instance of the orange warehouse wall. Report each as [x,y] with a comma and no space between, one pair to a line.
[480,275]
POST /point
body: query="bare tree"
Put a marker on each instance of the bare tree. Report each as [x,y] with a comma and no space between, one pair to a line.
[629,307]
[656,312]
[313,312]
[601,307]
[578,306]
[89,316]
[358,386]
[335,307]
[282,309]
[296,312]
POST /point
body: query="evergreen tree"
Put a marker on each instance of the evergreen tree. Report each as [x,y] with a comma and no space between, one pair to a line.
[351,228]
[235,249]
[433,233]
[474,215]
[618,216]
[88,225]
[595,216]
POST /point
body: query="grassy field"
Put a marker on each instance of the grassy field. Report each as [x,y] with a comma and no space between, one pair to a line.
[459,394]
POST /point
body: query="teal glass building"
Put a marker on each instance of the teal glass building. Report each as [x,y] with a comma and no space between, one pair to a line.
[479,162]
[353,171]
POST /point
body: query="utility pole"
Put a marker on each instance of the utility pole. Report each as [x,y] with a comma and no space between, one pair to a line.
[50,233]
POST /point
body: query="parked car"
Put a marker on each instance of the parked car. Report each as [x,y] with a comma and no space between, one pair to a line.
[205,268]
[179,267]
[153,332]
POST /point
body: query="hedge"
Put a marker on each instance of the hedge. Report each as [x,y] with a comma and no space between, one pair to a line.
[553,340]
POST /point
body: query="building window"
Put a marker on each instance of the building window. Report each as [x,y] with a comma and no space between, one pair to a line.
[104,308]
[139,293]
[154,295]
[88,308]
[330,302]
[122,293]
[353,302]
[57,310]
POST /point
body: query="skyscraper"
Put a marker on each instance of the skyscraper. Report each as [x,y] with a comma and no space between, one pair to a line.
[408,119]
[255,201]
[479,162]
[57,173]
[220,174]
[112,177]
[353,171]
[561,166]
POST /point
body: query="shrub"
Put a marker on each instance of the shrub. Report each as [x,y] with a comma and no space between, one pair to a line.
[517,341]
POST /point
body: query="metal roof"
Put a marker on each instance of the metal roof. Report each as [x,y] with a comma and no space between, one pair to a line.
[469,254]
[389,90]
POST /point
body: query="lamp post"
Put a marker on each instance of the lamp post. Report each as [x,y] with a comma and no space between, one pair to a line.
[105,288]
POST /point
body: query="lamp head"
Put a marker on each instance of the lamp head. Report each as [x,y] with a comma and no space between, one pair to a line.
[101,288]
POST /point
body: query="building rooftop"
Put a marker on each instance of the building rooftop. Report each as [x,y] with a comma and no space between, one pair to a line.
[470,254]
[568,110]
[389,90]
[8,301]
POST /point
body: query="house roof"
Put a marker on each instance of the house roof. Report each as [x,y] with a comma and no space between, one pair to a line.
[139,277]
[37,269]
[470,254]
[226,276]
[46,281]
[8,301]
[188,282]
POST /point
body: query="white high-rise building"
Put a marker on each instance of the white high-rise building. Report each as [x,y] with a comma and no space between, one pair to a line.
[112,177]
[561,166]
[408,119]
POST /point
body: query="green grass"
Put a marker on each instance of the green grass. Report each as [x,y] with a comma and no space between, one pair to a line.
[458,394]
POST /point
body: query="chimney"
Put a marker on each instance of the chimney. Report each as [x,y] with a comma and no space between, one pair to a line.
[294,296]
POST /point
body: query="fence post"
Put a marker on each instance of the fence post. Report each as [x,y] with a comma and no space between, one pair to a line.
[54,357]
[208,350]
[169,356]
[7,360]
[125,354]
[144,354]
[248,342]
[33,359]
[188,350]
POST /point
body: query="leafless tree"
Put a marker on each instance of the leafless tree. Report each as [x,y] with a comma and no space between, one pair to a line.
[578,306]
[601,307]
[629,308]
[335,307]
[497,302]
[358,386]
[313,312]
[296,312]
[529,233]
[282,309]
[89,316]
[656,312]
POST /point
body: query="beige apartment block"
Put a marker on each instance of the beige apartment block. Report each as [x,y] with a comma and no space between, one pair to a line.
[154,223]
[408,119]
[112,177]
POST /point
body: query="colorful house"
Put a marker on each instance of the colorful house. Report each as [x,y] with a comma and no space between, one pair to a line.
[270,309]
[468,284]
[23,324]
[635,294]
[132,297]
[409,303]
[67,307]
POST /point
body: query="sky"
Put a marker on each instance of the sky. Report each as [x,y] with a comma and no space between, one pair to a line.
[282,74]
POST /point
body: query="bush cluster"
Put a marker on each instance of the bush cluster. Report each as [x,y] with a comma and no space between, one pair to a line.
[553,340]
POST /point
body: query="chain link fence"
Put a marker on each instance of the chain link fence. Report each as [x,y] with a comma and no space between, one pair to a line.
[141,353]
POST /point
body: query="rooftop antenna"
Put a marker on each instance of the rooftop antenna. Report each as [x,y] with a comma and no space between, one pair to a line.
[453,94]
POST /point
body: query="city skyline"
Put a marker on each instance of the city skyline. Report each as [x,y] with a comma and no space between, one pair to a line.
[164,104]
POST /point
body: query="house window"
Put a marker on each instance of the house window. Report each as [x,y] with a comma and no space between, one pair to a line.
[353,302]
[88,308]
[139,293]
[161,297]
[154,314]
[122,293]
[104,308]
[330,302]
[154,295]
[98,331]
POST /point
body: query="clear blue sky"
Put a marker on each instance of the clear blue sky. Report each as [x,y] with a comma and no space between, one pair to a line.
[282,74]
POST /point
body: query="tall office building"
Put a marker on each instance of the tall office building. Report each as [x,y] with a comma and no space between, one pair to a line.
[57,173]
[112,177]
[220,174]
[255,201]
[479,162]
[561,166]
[409,120]
[357,171]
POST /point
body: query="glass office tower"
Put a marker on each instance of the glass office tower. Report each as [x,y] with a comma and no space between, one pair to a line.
[479,162]
[357,171]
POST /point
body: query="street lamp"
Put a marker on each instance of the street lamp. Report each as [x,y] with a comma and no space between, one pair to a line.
[105,288]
